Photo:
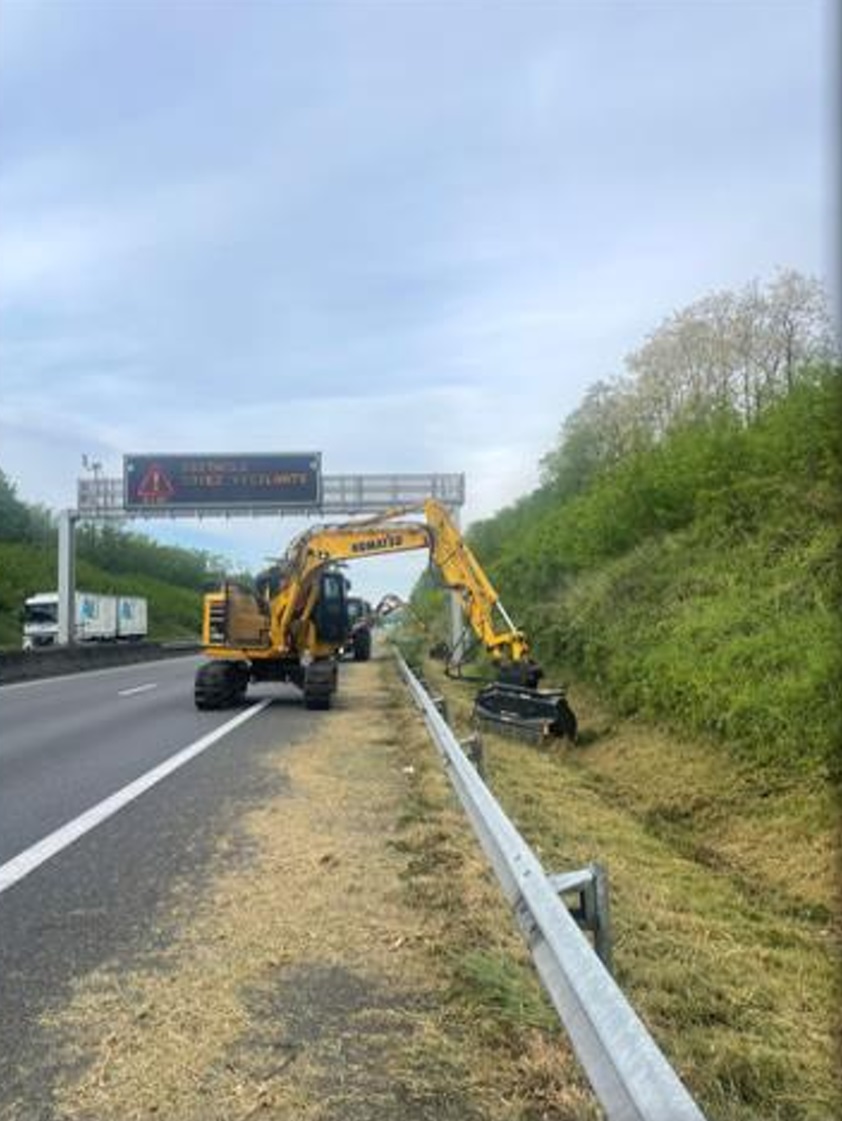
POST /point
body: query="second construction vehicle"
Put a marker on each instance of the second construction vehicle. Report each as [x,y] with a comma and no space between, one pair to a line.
[293,626]
[360,621]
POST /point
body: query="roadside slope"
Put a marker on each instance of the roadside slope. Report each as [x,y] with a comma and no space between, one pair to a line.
[694,580]
[723,891]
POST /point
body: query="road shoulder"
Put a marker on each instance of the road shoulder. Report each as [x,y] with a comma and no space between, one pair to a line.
[359,965]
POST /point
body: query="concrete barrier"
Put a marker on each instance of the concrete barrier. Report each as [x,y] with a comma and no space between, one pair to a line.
[53,661]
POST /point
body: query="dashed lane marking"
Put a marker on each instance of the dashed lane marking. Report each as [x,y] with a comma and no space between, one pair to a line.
[137,689]
[30,859]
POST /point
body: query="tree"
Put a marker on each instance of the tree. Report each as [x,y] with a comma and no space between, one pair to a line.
[731,350]
[14,517]
[726,356]
[798,327]
[605,427]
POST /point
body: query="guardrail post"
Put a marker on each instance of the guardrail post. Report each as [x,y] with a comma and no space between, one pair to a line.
[440,703]
[592,911]
[473,748]
[601,913]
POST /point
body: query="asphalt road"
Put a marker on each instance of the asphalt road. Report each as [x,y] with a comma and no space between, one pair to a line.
[65,746]
[67,743]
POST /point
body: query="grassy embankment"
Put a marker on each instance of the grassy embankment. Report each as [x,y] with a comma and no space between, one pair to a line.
[722,942]
[697,583]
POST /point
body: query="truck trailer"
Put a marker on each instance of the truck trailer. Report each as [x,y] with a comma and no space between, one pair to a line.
[96,618]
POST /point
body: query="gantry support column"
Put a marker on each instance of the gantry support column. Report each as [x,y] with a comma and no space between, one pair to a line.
[66,577]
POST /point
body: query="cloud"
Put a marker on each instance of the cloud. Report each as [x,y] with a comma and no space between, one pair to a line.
[407,236]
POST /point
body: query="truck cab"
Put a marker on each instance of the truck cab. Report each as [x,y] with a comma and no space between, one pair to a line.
[40,620]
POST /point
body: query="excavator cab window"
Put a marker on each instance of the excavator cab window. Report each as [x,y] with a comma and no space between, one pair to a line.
[331,614]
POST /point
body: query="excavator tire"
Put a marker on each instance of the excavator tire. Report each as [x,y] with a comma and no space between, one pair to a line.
[362,645]
[316,701]
[319,685]
[219,685]
[240,682]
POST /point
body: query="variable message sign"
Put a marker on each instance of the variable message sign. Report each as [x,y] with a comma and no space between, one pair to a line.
[200,482]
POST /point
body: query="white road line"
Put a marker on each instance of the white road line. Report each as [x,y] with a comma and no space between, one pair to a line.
[37,854]
[137,689]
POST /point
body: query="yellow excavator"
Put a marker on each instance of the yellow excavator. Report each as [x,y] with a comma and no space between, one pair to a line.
[294,623]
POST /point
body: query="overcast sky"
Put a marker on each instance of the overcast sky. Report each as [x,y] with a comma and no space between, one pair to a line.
[405,234]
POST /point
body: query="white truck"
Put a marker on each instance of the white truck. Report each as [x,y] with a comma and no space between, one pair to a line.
[97,618]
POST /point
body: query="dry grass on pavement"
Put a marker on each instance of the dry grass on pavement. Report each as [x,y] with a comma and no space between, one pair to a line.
[357,966]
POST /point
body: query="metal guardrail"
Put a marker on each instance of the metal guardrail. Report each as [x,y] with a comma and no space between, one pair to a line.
[102,498]
[54,661]
[629,1074]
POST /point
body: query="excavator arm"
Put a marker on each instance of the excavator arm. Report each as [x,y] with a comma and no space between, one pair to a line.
[459,569]
[461,572]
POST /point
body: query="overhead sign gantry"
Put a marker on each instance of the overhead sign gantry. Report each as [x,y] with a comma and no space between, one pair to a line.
[205,485]
[101,498]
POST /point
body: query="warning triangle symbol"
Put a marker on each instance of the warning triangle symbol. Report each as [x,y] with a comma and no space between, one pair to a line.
[155,486]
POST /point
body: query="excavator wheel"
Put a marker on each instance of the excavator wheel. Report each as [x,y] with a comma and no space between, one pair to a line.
[361,640]
[320,680]
[220,684]
[317,701]
[239,681]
